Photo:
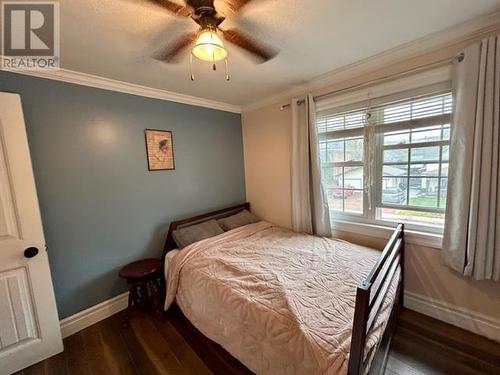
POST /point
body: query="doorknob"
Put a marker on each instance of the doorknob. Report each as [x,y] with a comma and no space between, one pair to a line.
[30,252]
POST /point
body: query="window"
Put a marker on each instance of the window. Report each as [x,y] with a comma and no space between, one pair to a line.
[343,162]
[388,163]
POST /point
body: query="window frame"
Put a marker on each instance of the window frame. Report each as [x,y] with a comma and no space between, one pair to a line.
[373,193]
[380,175]
[348,133]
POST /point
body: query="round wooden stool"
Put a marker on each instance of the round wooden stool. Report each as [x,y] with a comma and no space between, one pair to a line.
[144,283]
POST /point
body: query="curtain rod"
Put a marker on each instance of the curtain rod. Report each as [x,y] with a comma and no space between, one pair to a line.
[417,69]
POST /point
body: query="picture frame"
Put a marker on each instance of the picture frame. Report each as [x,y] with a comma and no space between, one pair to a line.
[159,149]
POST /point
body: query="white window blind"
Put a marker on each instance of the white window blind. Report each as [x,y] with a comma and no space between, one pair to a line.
[413,109]
[341,121]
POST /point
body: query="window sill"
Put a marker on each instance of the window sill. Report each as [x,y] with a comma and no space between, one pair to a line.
[378,231]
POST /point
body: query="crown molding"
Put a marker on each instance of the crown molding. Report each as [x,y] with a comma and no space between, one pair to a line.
[83,79]
[469,30]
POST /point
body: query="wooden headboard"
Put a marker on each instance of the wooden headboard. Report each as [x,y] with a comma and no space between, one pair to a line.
[170,243]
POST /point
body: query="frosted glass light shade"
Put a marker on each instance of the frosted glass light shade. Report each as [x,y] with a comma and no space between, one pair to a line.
[209,46]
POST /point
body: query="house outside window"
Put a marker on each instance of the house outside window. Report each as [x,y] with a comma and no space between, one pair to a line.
[388,162]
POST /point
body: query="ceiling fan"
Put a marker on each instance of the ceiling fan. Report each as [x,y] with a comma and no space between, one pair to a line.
[207,45]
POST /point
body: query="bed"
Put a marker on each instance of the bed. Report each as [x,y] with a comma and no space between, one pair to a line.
[288,303]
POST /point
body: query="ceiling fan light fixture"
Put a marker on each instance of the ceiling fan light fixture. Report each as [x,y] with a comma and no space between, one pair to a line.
[209,46]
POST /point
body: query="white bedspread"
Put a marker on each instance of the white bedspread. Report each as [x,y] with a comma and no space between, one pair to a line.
[280,302]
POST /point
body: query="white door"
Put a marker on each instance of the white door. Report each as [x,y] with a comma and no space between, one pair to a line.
[29,326]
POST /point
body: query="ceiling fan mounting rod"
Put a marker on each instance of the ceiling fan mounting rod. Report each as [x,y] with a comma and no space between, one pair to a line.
[205,11]
[209,22]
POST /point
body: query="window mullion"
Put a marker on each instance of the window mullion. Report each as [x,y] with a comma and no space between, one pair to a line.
[343,184]
[400,146]
[408,176]
[366,158]
[440,171]
[376,175]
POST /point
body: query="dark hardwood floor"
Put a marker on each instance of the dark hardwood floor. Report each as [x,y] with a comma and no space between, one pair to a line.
[152,345]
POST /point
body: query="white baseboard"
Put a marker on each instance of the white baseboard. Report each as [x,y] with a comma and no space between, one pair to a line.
[458,316]
[75,323]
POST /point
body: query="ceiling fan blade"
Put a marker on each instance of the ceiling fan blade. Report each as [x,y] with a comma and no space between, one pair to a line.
[233,36]
[177,9]
[172,50]
[236,5]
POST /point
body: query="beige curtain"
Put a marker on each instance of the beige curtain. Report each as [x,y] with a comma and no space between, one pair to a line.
[310,212]
[471,242]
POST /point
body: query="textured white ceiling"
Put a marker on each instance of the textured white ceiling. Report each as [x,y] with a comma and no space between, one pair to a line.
[115,39]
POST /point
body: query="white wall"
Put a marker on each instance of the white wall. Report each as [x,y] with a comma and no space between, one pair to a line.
[267,149]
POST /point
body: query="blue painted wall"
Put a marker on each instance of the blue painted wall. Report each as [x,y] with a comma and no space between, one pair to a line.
[100,206]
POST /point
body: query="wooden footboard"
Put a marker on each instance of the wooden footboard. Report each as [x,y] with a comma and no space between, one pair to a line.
[369,299]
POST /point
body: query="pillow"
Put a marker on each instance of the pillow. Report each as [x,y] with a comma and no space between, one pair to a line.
[241,218]
[188,235]
[168,258]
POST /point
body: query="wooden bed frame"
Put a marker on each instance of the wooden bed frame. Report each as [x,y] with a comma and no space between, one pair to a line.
[369,296]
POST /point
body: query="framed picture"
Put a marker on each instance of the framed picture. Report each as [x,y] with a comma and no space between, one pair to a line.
[160,150]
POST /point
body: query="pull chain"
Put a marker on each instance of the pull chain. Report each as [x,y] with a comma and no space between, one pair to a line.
[214,67]
[228,77]
[191,67]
